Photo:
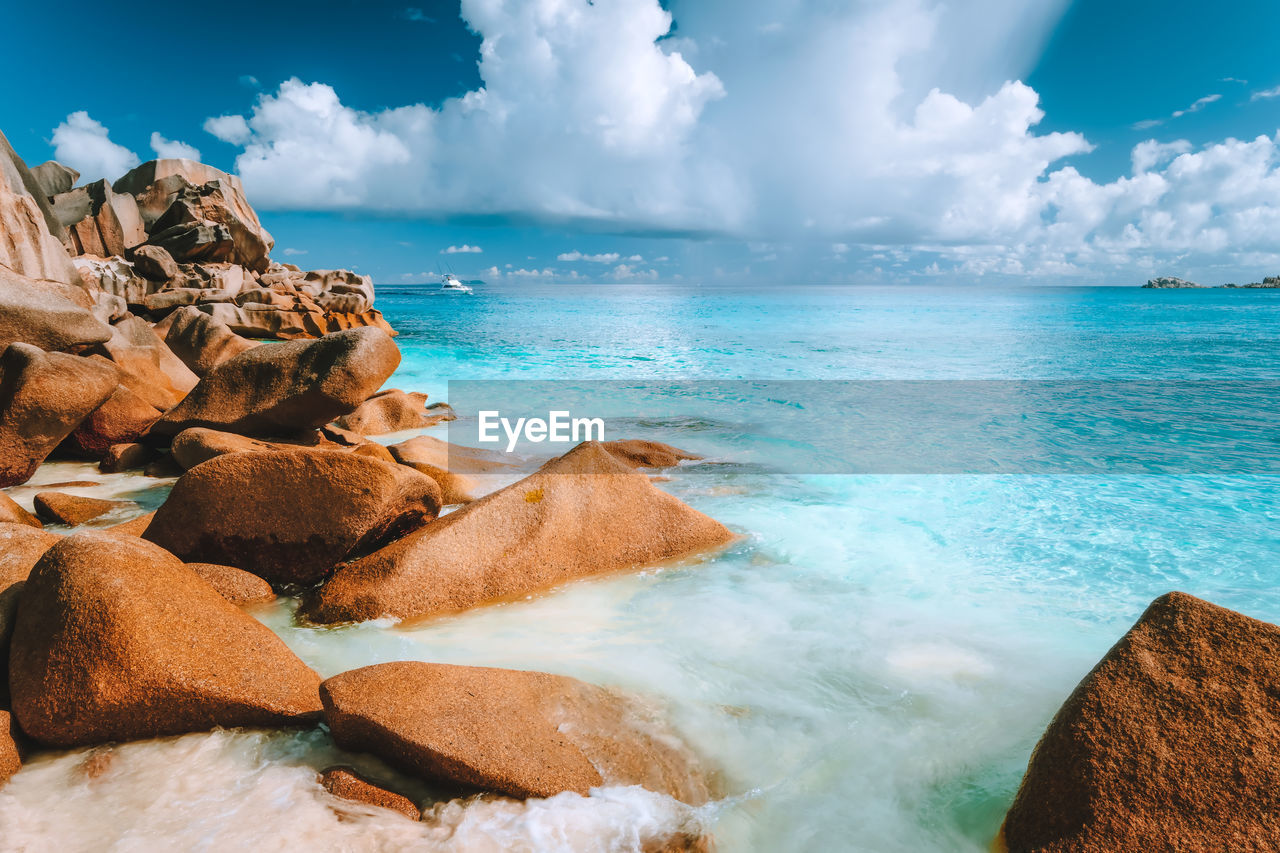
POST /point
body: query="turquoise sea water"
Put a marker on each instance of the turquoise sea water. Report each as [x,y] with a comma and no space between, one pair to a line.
[871,667]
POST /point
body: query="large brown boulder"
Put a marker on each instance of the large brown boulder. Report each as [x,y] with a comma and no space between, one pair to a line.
[393,410]
[12,513]
[10,758]
[193,446]
[35,313]
[111,224]
[155,264]
[429,450]
[30,233]
[117,640]
[582,514]
[43,397]
[201,341]
[122,419]
[21,547]
[212,207]
[278,388]
[147,365]
[239,587]
[525,734]
[291,515]
[1170,743]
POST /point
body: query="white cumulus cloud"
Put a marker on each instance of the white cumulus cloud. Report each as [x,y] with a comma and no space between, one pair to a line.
[464,249]
[232,129]
[602,258]
[173,148]
[85,145]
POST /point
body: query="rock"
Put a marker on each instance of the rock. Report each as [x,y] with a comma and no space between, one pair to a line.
[324,286]
[112,224]
[33,313]
[21,547]
[202,342]
[108,307]
[306,320]
[73,510]
[1168,744]
[454,488]
[213,206]
[239,587]
[582,514]
[393,411]
[524,734]
[10,758]
[279,388]
[376,451]
[116,640]
[148,367]
[114,276]
[122,457]
[637,453]
[155,264]
[200,241]
[290,515]
[30,234]
[194,446]
[54,178]
[123,419]
[1169,281]
[428,450]
[346,783]
[140,178]
[163,467]
[12,513]
[43,397]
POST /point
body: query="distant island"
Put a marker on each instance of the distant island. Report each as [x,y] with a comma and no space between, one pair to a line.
[1171,282]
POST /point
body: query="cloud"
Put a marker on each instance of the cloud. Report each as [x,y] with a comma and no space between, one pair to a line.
[1265,94]
[417,16]
[575,255]
[626,272]
[84,145]
[172,148]
[1197,106]
[249,81]
[464,249]
[231,129]
[295,251]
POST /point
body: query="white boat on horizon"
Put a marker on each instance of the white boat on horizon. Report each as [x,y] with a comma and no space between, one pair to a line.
[450,283]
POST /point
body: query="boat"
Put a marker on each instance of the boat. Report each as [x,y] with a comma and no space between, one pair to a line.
[450,282]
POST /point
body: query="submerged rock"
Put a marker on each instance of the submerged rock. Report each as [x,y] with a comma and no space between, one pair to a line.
[239,587]
[582,514]
[524,734]
[1170,743]
[43,397]
[279,388]
[291,515]
[118,640]
[61,508]
[346,783]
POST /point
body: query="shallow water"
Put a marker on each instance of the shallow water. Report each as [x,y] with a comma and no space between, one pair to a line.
[868,668]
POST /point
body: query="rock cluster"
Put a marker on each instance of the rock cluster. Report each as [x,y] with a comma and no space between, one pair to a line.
[1169,281]
[129,319]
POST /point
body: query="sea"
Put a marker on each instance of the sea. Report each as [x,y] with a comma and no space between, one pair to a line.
[870,665]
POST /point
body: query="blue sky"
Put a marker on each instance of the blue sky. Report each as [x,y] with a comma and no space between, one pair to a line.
[879,141]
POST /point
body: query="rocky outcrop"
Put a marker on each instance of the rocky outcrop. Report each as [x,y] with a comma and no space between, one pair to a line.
[1267,283]
[1169,281]
[194,446]
[123,419]
[523,734]
[43,397]
[202,342]
[155,264]
[100,221]
[638,453]
[122,457]
[582,514]
[62,508]
[280,388]
[54,178]
[147,366]
[114,276]
[30,234]
[21,547]
[241,588]
[32,312]
[12,513]
[1168,744]
[393,410]
[117,640]
[347,784]
[290,516]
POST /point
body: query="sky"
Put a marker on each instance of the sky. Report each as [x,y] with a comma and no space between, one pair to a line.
[694,141]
